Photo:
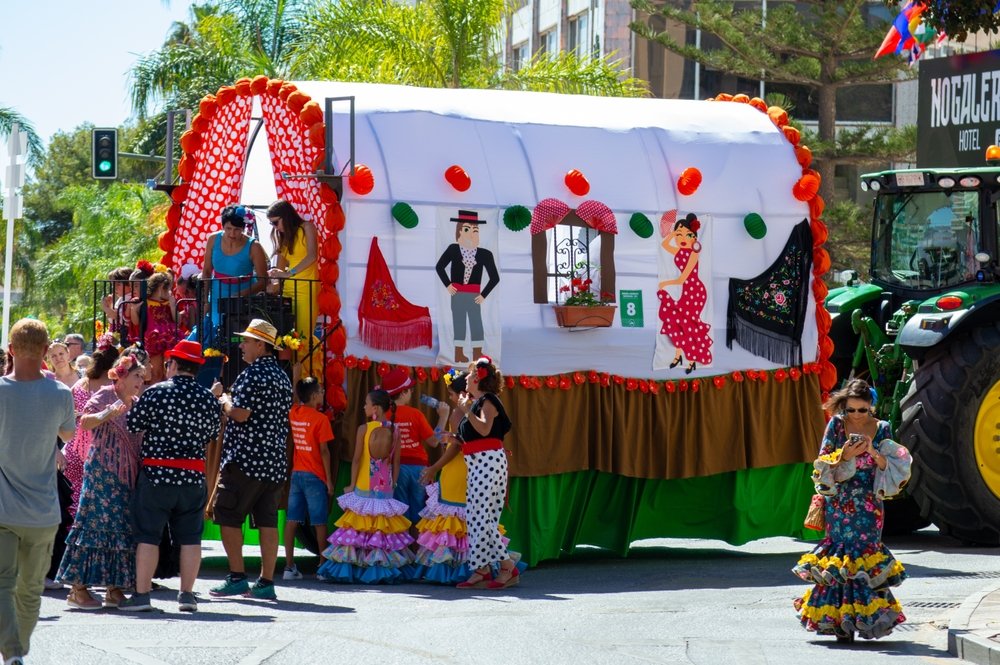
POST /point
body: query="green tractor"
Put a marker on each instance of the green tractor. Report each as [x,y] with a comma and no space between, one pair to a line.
[926,333]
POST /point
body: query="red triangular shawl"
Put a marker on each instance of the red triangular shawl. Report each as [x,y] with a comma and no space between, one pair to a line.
[388,321]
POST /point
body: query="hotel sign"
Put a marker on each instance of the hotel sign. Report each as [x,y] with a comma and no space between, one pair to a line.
[958,112]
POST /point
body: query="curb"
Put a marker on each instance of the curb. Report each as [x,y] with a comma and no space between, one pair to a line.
[968,637]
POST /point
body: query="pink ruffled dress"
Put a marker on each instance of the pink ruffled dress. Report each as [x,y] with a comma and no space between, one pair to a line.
[371,543]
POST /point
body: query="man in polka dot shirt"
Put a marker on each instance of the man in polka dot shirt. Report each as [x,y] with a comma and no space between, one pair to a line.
[254,460]
[179,418]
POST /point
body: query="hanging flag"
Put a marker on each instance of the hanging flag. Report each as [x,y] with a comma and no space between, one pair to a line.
[901,34]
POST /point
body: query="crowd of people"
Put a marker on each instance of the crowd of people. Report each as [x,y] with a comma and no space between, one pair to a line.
[130,426]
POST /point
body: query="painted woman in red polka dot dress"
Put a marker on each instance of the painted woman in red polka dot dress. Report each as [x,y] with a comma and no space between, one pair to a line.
[681,318]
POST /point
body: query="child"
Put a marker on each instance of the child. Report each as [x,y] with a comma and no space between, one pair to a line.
[443,545]
[311,482]
[371,543]
[186,294]
[161,321]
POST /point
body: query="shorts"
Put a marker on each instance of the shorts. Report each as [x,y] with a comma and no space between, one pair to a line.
[307,492]
[239,495]
[410,491]
[182,506]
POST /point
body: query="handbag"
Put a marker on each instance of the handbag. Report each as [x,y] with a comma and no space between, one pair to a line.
[816,516]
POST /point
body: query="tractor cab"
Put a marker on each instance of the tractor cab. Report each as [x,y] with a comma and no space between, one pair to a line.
[934,231]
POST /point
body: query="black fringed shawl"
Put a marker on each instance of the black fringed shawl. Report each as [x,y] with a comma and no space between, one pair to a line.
[766,314]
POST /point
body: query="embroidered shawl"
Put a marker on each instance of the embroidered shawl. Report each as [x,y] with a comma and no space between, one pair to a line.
[388,321]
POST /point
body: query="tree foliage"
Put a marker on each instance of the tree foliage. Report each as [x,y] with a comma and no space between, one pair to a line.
[8,117]
[957,18]
[821,45]
[112,226]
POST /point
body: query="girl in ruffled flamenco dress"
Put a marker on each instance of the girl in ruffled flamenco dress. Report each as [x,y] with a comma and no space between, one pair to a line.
[371,543]
[161,321]
[858,466]
[443,542]
[681,318]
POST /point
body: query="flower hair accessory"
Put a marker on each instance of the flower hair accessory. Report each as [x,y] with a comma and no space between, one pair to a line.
[483,367]
[105,341]
[122,367]
[159,267]
[449,376]
[145,266]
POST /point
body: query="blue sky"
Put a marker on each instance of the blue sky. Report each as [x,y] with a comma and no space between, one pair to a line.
[54,67]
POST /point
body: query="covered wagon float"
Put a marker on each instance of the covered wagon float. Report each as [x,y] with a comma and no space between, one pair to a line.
[683,401]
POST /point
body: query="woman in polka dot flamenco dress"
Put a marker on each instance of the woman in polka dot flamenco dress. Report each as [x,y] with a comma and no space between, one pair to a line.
[442,555]
[851,569]
[372,540]
[681,318]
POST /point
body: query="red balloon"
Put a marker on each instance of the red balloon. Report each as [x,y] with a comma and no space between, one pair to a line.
[577,183]
[458,178]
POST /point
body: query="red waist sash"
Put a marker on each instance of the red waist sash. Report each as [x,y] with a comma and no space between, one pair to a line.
[189,464]
[466,288]
[481,446]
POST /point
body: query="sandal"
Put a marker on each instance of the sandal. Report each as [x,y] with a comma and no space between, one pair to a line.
[80,599]
[513,576]
[113,597]
[477,580]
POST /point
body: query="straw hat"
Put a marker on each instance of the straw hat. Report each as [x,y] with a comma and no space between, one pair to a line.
[261,330]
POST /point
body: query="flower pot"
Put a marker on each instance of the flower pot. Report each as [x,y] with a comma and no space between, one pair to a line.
[284,354]
[581,316]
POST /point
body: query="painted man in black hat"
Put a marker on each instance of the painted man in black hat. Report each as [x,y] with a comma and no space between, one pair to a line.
[461,271]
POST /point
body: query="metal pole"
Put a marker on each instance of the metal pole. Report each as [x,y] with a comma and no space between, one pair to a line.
[697,64]
[168,170]
[763,24]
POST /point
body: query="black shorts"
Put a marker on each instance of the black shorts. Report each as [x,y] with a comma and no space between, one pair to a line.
[239,495]
[153,506]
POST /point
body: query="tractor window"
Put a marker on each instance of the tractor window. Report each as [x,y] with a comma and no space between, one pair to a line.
[926,240]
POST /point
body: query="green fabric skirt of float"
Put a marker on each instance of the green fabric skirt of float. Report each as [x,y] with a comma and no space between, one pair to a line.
[548,517]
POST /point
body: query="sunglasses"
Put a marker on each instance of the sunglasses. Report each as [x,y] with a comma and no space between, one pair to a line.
[863,409]
[274,220]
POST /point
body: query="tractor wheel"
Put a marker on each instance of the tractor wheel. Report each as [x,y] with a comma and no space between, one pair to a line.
[902,517]
[951,425]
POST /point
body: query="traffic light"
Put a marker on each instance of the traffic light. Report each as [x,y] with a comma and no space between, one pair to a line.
[104,144]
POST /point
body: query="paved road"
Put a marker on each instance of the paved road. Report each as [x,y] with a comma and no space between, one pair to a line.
[675,601]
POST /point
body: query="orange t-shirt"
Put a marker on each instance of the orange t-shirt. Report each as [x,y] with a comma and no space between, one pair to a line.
[413,428]
[310,430]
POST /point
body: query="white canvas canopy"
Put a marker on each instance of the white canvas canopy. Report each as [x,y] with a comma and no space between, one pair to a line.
[517,148]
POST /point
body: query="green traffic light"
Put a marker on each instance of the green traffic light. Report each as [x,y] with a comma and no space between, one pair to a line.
[104,166]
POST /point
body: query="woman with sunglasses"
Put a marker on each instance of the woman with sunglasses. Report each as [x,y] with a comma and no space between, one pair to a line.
[851,569]
[235,262]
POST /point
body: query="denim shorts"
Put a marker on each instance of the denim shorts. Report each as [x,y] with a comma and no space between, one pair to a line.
[410,491]
[307,493]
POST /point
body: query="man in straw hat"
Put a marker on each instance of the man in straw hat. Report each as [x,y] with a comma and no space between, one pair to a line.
[254,460]
[178,417]
[460,269]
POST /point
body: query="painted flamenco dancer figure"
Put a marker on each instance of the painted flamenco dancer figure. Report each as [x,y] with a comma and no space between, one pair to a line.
[681,318]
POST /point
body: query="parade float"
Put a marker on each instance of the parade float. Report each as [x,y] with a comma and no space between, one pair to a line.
[677,393]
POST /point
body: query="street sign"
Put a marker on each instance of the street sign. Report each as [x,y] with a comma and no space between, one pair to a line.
[630,308]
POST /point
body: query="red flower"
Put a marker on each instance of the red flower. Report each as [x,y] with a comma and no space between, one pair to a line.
[738,376]
[631,384]
[536,382]
[588,282]
[605,379]
[643,385]
[807,368]
[421,374]
[509,380]
[576,281]
[350,362]
[618,379]
[563,288]
[683,385]
[382,369]
[752,374]
[564,383]
[780,375]
[435,374]
[669,386]
[719,381]
[695,385]
[795,374]
[552,381]
[364,364]
[762,376]
[593,377]
[524,381]
[579,378]
[653,387]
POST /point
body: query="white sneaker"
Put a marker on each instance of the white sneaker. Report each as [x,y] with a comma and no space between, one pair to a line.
[14,660]
[292,573]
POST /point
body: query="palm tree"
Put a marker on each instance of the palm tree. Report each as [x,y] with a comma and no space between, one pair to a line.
[8,118]
[440,43]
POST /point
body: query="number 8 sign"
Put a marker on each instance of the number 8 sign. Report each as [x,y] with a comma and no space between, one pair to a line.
[630,308]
